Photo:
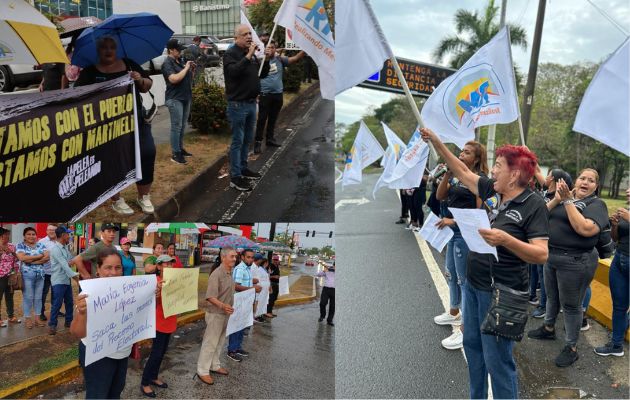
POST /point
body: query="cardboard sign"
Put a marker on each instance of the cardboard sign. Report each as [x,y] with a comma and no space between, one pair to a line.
[179,290]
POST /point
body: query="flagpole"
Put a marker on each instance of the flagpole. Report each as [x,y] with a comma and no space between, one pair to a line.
[520,121]
[270,39]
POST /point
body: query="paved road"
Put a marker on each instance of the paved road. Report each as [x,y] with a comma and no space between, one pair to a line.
[385,321]
[297,184]
[291,357]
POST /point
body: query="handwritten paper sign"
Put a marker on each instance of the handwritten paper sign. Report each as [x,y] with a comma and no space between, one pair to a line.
[284,285]
[263,301]
[469,222]
[438,238]
[120,312]
[242,316]
[179,290]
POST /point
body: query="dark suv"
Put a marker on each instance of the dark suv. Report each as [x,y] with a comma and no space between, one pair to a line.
[210,57]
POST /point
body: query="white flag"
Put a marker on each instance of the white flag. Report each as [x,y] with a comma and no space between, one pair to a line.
[260,53]
[395,148]
[309,25]
[360,44]
[604,113]
[410,168]
[365,150]
[482,92]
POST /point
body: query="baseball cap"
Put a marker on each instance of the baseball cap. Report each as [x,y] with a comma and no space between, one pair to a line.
[174,44]
[164,258]
[108,225]
[125,240]
[276,258]
[259,256]
[3,230]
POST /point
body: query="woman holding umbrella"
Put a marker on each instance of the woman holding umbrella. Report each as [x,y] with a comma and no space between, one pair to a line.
[109,67]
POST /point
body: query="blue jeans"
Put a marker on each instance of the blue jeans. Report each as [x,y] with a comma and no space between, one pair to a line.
[61,294]
[456,256]
[533,280]
[235,341]
[32,293]
[105,378]
[242,117]
[486,354]
[619,283]
[179,111]
[587,300]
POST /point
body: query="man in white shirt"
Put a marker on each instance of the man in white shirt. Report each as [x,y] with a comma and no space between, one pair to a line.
[49,242]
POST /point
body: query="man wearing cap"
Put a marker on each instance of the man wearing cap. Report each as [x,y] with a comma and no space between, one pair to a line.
[48,241]
[178,76]
[274,278]
[264,37]
[60,278]
[243,280]
[220,296]
[108,234]
[242,87]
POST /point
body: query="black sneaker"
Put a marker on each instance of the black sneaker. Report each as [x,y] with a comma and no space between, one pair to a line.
[402,221]
[43,318]
[178,158]
[240,183]
[273,143]
[186,154]
[567,357]
[320,320]
[249,174]
[542,334]
[242,353]
[234,356]
[257,147]
[609,350]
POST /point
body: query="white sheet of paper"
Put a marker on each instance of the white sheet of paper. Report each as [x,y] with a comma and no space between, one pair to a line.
[263,301]
[436,237]
[469,222]
[283,286]
[242,316]
[120,312]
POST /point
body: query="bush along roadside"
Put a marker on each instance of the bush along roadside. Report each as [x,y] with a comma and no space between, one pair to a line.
[208,107]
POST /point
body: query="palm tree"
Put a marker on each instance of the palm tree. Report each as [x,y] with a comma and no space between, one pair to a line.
[474,31]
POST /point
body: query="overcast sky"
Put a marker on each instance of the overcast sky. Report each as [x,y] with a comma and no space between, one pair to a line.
[573,31]
[321,237]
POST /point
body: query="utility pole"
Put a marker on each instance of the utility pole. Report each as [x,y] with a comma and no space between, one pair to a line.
[272,234]
[528,98]
[492,129]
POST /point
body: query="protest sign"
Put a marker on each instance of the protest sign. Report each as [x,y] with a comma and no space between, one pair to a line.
[179,290]
[75,148]
[284,285]
[120,312]
[263,301]
[438,238]
[469,221]
[242,316]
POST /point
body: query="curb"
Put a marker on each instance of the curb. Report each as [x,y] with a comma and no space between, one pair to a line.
[170,208]
[298,300]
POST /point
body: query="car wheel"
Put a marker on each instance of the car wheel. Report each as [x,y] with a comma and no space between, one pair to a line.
[6,83]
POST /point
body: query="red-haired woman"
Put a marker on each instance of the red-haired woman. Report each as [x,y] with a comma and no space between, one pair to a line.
[520,232]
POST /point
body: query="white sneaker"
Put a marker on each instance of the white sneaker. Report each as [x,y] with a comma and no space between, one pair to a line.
[121,207]
[455,341]
[448,319]
[145,204]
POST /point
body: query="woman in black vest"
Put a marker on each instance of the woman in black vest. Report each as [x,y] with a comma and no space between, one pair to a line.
[575,221]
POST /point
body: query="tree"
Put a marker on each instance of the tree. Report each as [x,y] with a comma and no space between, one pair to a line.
[327,251]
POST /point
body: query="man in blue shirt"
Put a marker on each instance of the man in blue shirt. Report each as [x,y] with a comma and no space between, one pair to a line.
[60,278]
[271,97]
[243,280]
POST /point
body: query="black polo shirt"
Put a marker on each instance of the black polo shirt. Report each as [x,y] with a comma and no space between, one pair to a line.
[525,217]
[561,233]
[241,75]
[622,243]
[459,196]
[183,89]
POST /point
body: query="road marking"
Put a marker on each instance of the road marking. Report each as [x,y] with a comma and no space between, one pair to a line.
[360,201]
[243,196]
[340,177]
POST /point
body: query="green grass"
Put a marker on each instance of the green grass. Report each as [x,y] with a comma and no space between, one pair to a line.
[66,356]
[614,204]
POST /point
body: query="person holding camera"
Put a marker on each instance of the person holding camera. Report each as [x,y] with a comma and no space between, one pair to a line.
[178,76]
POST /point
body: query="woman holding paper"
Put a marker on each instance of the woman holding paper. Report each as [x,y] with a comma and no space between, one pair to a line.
[519,231]
[456,194]
[163,330]
[105,378]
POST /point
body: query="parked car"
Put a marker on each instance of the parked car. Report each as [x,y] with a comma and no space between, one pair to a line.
[211,56]
[224,44]
[18,75]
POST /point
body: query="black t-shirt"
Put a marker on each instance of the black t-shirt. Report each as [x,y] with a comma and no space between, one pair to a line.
[274,270]
[524,217]
[459,196]
[561,233]
[548,196]
[52,75]
[177,91]
[91,74]
[622,231]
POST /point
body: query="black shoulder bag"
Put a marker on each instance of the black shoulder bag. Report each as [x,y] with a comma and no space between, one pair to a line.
[507,315]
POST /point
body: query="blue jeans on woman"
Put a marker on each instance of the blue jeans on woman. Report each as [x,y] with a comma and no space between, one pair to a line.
[179,111]
[456,256]
[619,283]
[242,117]
[486,354]
[105,378]
[32,292]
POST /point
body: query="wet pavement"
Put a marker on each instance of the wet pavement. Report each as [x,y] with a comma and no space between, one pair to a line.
[297,183]
[291,357]
[387,308]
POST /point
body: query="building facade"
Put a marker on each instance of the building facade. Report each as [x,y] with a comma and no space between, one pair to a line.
[210,17]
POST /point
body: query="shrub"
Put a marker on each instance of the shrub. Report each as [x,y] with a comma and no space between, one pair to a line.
[292,76]
[208,107]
